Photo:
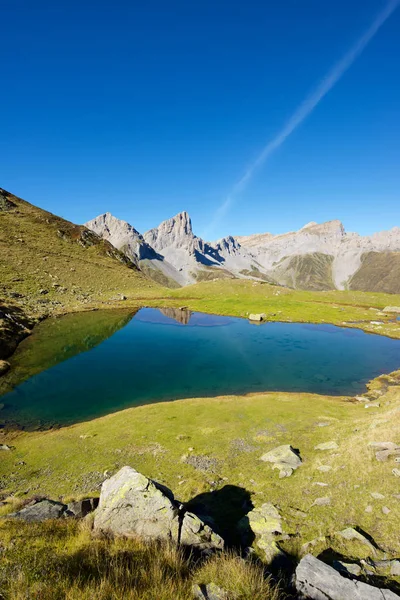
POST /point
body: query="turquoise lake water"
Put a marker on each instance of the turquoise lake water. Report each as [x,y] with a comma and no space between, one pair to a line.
[165,355]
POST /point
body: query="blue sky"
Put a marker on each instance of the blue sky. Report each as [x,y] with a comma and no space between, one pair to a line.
[145,109]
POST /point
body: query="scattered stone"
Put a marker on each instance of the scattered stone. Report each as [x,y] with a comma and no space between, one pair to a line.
[81,508]
[324,468]
[383,445]
[122,297]
[43,292]
[327,446]
[396,472]
[320,484]
[5,447]
[385,510]
[323,424]
[255,317]
[392,309]
[347,568]
[4,367]
[210,591]
[203,463]
[372,405]
[285,458]
[350,534]
[317,581]
[325,501]
[368,509]
[377,496]
[133,505]
[40,511]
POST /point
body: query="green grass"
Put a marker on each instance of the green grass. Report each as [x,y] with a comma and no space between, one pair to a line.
[62,561]
[229,434]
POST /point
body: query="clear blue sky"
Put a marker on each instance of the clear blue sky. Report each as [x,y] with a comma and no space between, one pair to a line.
[148,108]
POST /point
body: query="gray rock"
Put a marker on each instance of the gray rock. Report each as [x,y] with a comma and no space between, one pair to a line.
[265,522]
[284,458]
[350,534]
[392,309]
[133,505]
[255,317]
[5,447]
[324,468]
[325,501]
[377,496]
[81,508]
[209,591]
[41,511]
[315,580]
[4,367]
[327,446]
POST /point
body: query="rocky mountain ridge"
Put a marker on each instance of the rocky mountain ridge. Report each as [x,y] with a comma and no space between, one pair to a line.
[317,257]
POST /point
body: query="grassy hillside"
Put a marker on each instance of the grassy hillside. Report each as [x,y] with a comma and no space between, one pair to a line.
[47,262]
[378,271]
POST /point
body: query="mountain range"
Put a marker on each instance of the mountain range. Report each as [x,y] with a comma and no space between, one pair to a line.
[317,257]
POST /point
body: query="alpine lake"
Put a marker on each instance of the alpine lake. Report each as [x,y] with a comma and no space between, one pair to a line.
[85,365]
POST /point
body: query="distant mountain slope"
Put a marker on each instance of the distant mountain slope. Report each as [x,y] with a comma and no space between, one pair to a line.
[379,272]
[348,253]
[47,262]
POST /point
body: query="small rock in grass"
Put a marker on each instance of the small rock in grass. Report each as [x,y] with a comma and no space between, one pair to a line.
[324,468]
[377,496]
[368,509]
[209,591]
[321,484]
[385,510]
[327,446]
[325,501]
[396,472]
[372,405]
[5,447]
[4,367]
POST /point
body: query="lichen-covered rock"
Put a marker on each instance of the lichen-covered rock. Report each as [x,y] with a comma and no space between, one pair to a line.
[209,591]
[315,580]
[285,458]
[194,532]
[265,524]
[40,511]
[133,505]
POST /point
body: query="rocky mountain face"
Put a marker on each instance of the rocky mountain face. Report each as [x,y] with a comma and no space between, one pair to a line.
[125,238]
[317,257]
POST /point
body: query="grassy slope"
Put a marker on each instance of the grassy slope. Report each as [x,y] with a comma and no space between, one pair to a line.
[39,251]
[228,435]
[379,270]
[306,272]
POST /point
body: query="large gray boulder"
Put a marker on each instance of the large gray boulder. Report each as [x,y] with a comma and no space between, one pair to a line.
[41,511]
[285,458]
[315,580]
[133,505]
